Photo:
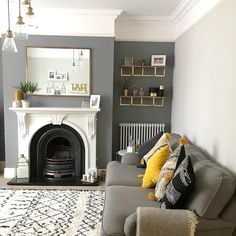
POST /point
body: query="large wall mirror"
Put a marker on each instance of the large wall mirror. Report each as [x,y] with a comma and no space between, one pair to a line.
[59,71]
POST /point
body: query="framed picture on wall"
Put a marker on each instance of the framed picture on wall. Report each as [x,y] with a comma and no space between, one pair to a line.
[158,60]
[52,74]
[95,101]
[64,76]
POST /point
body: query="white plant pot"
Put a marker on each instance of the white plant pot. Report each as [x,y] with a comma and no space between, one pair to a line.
[25,103]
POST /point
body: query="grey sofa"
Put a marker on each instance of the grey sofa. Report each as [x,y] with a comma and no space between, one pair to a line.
[213,198]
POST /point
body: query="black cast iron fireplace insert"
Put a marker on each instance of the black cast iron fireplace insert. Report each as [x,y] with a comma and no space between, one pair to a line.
[57,152]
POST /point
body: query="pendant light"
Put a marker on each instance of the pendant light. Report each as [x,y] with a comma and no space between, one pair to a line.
[21,32]
[30,17]
[73,62]
[9,42]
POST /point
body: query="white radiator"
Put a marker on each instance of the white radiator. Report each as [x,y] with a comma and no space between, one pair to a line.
[139,132]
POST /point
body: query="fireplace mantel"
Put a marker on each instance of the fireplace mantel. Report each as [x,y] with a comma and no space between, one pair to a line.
[57,115]
[83,120]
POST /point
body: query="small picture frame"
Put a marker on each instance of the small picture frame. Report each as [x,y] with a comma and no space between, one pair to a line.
[59,77]
[128,61]
[64,76]
[95,101]
[52,74]
[158,60]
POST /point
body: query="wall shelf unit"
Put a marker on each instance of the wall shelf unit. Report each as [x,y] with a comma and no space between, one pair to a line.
[141,101]
[147,71]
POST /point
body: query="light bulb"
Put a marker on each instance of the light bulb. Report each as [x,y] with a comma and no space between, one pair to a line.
[30,18]
[9,43]
[21,32]
[74,67]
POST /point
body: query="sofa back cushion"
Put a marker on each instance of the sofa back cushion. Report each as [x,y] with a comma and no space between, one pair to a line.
[213,188]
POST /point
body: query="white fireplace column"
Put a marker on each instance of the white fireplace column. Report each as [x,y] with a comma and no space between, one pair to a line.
[83,120]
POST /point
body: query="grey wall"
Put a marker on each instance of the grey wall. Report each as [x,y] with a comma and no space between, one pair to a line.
[102,83]
[141,114]
[204,107]
[2,154]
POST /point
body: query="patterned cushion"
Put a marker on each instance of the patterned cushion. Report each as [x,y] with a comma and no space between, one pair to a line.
[167,171]
[154,166]
[179,189]
[162,142]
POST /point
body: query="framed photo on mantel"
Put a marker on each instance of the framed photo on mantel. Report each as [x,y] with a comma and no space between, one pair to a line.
[95,101]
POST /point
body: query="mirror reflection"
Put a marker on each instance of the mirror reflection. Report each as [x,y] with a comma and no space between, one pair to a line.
[59,71]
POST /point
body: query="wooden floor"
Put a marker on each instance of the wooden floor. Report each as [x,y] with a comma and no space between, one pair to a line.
[3,184]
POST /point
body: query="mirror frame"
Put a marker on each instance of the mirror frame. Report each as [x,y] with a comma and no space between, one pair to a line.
[69,94]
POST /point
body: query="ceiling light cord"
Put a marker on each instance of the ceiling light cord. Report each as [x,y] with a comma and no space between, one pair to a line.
[8,10]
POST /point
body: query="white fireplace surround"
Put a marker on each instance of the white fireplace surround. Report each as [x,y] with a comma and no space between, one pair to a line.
[83,120]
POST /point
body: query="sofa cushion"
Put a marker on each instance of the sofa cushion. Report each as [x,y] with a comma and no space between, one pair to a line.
[122,201]
[180,187]
[148,145]
[154,166]
[214,185]
[212,191]
[167,172]
[121,174]
[162,142]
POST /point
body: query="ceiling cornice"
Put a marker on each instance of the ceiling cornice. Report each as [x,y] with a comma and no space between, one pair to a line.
[168,28]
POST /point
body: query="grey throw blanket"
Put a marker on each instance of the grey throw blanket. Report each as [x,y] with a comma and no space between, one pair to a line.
[164,222]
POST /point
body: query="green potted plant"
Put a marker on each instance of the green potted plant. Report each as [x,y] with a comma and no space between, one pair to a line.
[25,88]
[28,87]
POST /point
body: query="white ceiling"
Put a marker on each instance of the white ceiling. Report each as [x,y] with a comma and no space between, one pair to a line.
[131,7]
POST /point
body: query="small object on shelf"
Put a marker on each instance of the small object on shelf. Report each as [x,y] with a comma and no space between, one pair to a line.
[63,88]
[139,61]
[141,92]
[126,92]
[49,88]
[128,61]
[18,95]
[25,103]
[143,62]
[161,90]
[153,91]
[135,91]
[16,104]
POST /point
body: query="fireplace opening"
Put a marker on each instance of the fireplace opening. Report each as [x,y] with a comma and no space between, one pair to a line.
[57,153]
[58,162]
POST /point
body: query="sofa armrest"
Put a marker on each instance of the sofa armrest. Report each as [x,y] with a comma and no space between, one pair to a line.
[154,221]
[130,158]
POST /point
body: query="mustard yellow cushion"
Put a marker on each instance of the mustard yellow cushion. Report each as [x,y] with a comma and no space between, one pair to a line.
[154,166]
[162,142]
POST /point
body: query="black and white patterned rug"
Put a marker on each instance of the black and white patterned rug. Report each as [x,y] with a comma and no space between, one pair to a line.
[50,212]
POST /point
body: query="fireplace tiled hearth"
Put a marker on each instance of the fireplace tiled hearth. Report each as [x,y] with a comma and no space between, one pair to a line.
[60,144]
